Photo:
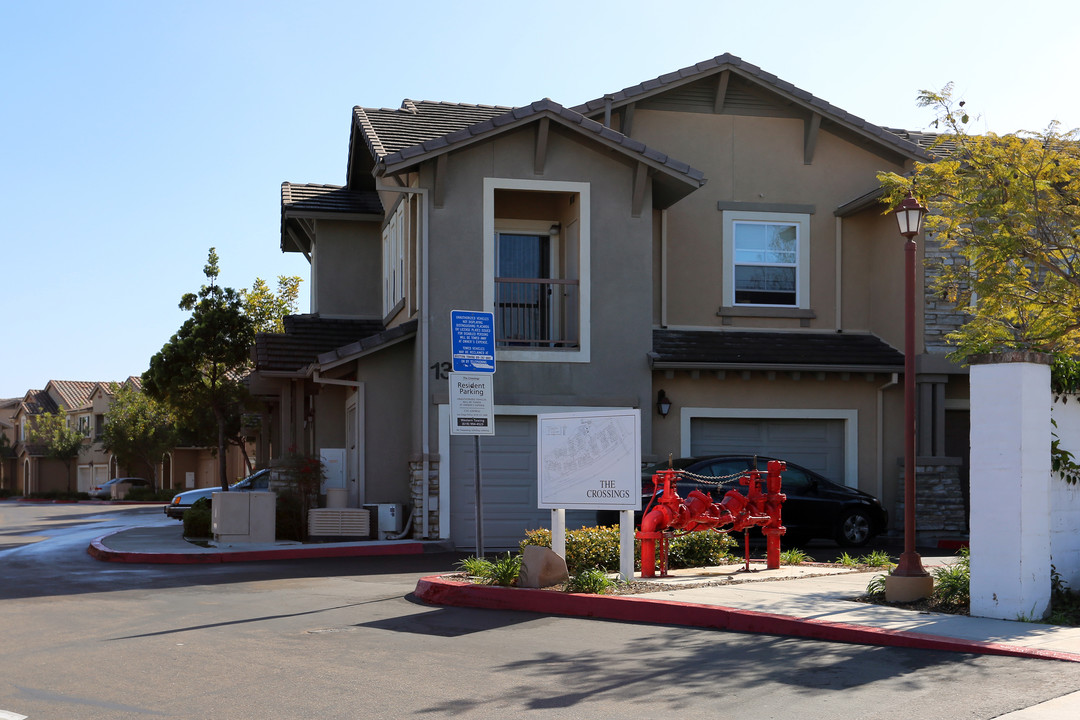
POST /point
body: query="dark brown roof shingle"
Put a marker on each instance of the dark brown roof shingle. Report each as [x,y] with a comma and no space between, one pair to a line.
[747,350]
[305,338]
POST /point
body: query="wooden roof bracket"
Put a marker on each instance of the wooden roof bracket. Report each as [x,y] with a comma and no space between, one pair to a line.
[626,124]
[542,129]
[722,81]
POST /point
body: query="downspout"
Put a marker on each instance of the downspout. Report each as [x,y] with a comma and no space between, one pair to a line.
[839,276]
[881,433]
[425,352]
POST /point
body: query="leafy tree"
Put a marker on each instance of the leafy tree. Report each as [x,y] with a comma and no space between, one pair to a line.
[202,365]
[268,309]
[1010,206]
[138,428]
[62,442]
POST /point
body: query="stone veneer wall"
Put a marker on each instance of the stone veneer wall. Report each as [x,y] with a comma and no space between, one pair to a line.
[416,483]
[939,500]
[940,314]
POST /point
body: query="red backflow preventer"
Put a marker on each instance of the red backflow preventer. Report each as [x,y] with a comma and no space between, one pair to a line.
[671,513]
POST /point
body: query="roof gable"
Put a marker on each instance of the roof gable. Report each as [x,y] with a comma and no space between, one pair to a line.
[728,84]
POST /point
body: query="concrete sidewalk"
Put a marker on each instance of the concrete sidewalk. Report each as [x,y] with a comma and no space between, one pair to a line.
[166,545]
[812,601]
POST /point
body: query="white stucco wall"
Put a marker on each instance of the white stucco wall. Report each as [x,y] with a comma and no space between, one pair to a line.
[1010,490]
[1065,498]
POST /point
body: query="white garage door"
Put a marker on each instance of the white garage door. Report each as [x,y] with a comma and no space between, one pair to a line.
[814,444]
[508,481]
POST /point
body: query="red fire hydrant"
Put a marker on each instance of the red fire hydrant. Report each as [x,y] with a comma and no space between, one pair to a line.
[698,512]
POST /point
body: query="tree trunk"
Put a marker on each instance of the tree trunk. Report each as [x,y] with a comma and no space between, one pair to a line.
[222,450]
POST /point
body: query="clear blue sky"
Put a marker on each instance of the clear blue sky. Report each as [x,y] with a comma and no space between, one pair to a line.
[135,135]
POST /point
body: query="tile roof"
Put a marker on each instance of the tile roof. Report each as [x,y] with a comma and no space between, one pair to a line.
[728,61]
[550,108]
[300,198]
[38,401]
[73,393]
[305,338]
[762,350]
[387,131]
[370,343]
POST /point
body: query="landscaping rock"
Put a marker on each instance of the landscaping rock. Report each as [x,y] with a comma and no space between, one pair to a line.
[541,567]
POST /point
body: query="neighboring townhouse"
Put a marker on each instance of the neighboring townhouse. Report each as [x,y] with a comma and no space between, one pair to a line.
[711,237]
[86,405]
[8,407]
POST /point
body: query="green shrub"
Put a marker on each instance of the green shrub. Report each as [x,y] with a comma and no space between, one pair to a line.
[505,570]
[62,495]
[878,558]
[587,548]
[847,560]
[475,567]
[6,493]
[952,582]
[700,549]
[876,587]
[197,519]
[598,547]
[593,581]
[794,556]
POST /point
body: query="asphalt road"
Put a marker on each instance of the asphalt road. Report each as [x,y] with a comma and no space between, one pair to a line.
[344,639]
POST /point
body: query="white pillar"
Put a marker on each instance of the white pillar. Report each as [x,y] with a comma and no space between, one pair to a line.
[1010,476]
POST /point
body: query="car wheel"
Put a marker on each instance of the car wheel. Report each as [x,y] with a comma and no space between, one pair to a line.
[854,528]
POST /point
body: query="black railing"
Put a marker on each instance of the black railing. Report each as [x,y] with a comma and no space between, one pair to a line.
[537,313]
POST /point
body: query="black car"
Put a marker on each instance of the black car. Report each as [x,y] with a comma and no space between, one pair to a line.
[816,507]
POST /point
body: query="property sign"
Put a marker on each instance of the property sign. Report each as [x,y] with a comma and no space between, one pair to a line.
[589,460]
[472,406]
[472,341]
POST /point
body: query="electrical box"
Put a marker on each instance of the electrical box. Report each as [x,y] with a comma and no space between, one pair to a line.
[391,519]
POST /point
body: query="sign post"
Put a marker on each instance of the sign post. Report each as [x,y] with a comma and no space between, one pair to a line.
[472,397]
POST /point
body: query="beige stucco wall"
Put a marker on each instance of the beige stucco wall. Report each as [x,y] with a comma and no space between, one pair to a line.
[757,160]
[348,268]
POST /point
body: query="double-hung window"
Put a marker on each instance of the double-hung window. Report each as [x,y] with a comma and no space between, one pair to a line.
[766,260]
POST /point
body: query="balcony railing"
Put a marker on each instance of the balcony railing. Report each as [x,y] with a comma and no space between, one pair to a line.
[537,313]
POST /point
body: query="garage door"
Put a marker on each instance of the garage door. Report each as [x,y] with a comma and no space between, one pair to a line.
[508,470]
[814,444]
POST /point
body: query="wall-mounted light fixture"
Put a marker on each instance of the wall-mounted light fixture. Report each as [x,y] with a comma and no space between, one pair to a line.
[663,404]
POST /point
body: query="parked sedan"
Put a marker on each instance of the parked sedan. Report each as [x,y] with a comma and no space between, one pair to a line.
[259,481]
[816,507]
[104,490]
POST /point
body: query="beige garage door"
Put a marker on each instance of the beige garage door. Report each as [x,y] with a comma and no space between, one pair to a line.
[508,481]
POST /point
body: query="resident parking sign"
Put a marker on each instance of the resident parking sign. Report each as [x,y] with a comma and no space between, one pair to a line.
[472,341]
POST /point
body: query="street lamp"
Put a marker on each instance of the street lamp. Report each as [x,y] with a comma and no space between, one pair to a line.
[909,580]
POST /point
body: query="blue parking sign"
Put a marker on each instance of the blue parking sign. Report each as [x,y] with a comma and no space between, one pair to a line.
[472,341]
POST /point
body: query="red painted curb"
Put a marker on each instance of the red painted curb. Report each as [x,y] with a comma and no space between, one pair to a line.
[99,551]
[438,590]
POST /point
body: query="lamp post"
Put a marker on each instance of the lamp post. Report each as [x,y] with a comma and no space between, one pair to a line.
[909,580]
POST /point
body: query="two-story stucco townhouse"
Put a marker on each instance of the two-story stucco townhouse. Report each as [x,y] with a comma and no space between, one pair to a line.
[710,235]
[85,405]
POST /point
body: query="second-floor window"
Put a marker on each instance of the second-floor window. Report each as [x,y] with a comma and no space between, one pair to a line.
[536,268]
[766,259]
[84,425]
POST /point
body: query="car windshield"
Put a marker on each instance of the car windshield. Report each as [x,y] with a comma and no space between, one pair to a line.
[249,480]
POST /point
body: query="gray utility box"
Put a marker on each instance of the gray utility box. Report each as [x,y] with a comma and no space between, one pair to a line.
[391,518]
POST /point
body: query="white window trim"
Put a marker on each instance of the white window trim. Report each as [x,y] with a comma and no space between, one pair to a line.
[849,416]
[581,354]
[802,274]
[393,246]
